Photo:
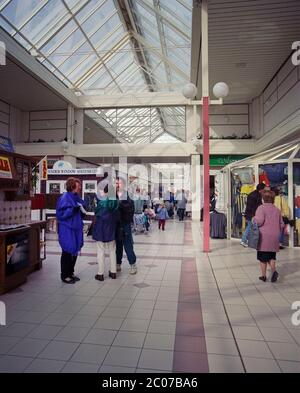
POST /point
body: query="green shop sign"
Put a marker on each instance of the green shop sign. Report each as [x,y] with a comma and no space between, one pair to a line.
[216,160]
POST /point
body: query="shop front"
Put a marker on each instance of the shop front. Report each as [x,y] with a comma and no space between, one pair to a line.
[279,170]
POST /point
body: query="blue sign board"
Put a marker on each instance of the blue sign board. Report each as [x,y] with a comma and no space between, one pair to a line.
[6,144]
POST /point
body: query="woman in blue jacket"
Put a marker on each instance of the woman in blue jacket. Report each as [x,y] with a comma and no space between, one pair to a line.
[69,213]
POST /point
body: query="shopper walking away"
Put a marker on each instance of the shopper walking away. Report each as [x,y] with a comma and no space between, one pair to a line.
[181,204]
[123,233]
[104,233]
[270,223]
[253,201]
[162,215]
[69,212]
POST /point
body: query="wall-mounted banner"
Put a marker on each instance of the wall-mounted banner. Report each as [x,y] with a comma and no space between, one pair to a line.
[43,169]
[5,169]
[73,171]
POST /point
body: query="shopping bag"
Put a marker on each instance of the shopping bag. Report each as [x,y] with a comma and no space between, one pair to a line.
[253,237]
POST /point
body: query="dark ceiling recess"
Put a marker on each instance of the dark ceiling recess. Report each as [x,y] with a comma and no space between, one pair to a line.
[16,82]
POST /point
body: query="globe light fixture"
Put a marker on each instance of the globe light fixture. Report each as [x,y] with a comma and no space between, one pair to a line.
[189,91]
[221,90]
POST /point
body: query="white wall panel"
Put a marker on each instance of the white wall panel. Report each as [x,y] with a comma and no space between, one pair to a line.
[47,136]
[287,83]
[271,101]
[283,109]
[4,129]
[4,107]
[48,115]
[285,70]
[270,89]
[238,109]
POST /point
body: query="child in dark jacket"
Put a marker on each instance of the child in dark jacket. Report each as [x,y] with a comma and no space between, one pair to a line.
[162,215]
[104,233]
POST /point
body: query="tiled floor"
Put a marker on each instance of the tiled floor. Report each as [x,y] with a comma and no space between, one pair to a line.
[183,312]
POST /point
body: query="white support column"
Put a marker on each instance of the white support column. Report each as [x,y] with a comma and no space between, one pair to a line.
[78,127]
[70,124]
[193,121]
[196,186]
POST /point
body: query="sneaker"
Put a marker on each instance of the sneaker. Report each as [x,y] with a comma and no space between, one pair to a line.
[118,267]
[133,269]
[243,244]
[274,276]
[263,278]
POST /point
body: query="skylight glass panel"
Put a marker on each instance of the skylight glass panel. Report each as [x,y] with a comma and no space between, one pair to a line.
[47,18]
[19,11]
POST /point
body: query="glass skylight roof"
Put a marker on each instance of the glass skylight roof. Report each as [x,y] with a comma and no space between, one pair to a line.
[108,46]
[142,125]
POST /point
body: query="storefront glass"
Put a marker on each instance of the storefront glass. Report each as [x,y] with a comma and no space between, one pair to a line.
[242,183]
[296,176]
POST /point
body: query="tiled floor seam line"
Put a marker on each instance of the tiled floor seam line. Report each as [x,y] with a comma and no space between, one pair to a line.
[53,339]
[201,356]
[204,364]
[94,255]
[227,316]
[62,327]
[27,336]
[258,327]
[147,328]
[151,317]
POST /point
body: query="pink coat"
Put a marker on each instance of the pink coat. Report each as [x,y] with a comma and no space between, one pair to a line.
[270,223]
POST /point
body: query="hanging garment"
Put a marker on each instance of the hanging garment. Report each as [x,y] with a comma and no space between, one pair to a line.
[263,178]
[218,223]
[297,202]
[247,188]
[276,172]
[281,203]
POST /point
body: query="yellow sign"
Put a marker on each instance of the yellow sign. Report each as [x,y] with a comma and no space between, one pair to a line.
[5,170]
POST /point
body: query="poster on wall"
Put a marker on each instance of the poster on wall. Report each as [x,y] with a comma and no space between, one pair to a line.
[5,169]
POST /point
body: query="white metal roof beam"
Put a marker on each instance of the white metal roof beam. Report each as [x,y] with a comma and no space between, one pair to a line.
[137,100]
[160,56]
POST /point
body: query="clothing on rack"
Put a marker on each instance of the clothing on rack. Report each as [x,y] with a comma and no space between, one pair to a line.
[218,223]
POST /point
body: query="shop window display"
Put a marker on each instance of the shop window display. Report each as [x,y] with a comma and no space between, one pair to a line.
[89,195]
[242,184]
[296,175]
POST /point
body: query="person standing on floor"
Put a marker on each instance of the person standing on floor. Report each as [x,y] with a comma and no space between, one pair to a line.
[181,204]
[104,233]
[162,215]
[270,223]
[123,232]
[253,201]
[69,212]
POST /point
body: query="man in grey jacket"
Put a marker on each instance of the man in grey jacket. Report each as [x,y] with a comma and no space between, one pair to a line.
[181,204]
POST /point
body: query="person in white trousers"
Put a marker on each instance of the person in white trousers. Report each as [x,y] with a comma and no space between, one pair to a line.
[104,232]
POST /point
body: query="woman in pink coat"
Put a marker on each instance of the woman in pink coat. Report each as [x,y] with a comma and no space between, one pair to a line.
[269,221]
